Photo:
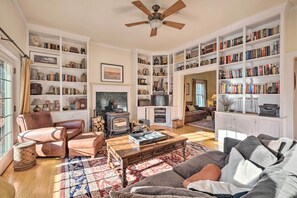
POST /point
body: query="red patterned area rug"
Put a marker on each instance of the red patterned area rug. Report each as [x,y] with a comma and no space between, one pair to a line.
[86,177]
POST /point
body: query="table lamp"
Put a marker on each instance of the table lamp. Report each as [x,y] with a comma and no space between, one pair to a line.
[36,102]
[214,99]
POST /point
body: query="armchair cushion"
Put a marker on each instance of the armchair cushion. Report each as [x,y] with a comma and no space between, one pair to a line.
[71,133]
[71,124]
[42,135]
[35,120]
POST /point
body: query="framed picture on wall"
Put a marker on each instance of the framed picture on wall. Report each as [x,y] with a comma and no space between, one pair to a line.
[188,89]
[112,73]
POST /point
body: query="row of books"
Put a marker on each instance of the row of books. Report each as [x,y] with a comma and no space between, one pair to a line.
[261,70]
[208,48]
[70,91]
[225,88]
[53,77]
[232,58]
[229,74]
[266,88]
[231,43]
[264,51]
[208,62]
[262,33]
[76,65]
[69,78]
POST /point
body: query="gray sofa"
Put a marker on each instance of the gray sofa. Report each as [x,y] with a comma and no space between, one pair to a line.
[277,180]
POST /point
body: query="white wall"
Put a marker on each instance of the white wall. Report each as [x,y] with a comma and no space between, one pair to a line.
[12,23]
[291,29]
[112,55]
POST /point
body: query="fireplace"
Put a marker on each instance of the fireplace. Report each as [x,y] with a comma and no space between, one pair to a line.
[117,123]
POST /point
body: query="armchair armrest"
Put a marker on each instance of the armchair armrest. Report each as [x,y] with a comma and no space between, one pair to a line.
[42,135]
[71,124]
[229,143]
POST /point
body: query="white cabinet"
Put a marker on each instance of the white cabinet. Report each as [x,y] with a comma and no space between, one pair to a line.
[239,125]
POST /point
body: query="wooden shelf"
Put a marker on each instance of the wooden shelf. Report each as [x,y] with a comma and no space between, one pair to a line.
[76,69]
[231,48]
[208,54]
[263,58]
[231,64]
[44,50]
[74,54]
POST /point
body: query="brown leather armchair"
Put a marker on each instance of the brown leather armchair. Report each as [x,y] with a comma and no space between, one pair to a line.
[51,138]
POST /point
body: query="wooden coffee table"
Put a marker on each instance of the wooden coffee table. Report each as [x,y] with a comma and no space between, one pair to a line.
[128,153]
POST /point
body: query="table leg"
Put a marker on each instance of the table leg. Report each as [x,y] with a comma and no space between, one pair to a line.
[184,151]
[124,179]
[108,158]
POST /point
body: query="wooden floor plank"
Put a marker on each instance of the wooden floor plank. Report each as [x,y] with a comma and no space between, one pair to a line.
[41,180]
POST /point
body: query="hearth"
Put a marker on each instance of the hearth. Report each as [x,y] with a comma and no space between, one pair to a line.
[117,123]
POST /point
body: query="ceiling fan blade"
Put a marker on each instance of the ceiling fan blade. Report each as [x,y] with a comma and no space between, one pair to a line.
[174,24]
[174,8]
[153,32]
[142,7]
[136,23]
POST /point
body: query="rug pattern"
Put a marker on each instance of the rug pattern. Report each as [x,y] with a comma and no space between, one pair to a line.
[205,124]
[86,177]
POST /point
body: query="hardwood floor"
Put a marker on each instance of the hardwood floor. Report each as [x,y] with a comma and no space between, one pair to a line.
[39,181]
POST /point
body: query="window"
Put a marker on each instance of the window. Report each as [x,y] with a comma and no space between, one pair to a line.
[6,114]
[200,93]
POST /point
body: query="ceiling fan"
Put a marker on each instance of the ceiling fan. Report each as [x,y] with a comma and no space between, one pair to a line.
[155,19]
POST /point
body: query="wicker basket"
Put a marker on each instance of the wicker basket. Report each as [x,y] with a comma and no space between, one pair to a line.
[24,155]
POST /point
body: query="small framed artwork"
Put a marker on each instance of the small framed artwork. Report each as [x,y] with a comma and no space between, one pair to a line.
[188,88]
[47,60]
[112,73]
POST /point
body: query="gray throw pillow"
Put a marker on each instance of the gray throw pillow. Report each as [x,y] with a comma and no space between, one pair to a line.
[132,195]
[252,149]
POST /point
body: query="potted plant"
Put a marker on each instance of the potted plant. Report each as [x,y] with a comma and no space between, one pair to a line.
[227,102]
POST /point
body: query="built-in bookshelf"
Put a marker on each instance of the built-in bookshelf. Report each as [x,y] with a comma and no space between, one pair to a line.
[144,77]
[59,73]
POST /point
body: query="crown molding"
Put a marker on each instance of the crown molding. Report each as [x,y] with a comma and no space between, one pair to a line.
[19,10]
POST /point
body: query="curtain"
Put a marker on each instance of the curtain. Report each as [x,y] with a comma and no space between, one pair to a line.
[194,92]
[25,86]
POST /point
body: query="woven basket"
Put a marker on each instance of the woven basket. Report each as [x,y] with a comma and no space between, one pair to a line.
[24,155]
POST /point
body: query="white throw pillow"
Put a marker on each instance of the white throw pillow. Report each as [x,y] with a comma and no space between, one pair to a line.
[191,108]
[216,187]
[239,171]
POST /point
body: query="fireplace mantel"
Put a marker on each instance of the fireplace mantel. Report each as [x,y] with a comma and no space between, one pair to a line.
[111,88]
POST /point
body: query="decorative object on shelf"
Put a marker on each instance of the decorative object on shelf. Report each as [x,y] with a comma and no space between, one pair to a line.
[139,72]
[45,107]
[51,90]
[36,102]
[98,124]
[41,76]
[83,77]
[57,105]
[34,74]
[83,51]
[35,40]
[112,73]
[85,90]
[270,110]
[144,102]
[35,89]
[82,103]
[188,89]
[47,60]
[65,48]
[83,63]
[72,102]
[156,61]
[74,50]
[154,72]
[145,71]
[51,106]
[141,81]
[227,102]
[65,108]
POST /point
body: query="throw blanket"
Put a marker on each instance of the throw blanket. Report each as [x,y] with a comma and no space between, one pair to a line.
[218,189]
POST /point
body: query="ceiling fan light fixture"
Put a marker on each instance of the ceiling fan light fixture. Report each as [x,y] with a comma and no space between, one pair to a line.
[155,23]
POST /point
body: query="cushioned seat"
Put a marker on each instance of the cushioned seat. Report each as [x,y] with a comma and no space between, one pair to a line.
[71,133]
[86,144]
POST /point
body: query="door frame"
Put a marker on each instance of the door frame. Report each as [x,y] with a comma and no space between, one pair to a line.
[16,65]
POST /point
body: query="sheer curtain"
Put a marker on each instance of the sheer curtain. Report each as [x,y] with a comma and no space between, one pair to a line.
[25,86]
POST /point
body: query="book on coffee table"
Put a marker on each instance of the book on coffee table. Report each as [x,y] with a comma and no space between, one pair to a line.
[147,137]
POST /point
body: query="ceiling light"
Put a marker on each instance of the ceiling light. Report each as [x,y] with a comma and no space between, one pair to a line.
[155,23]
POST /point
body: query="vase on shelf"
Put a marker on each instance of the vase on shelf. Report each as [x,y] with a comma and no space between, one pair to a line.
[226,108]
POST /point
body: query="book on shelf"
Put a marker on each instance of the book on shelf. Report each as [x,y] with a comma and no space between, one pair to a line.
[269,50]
[231,43]
[262,33]
[263,70]
[231,58]
[208,48]
[229,74]
[266,88]
[208,61]
[225,88]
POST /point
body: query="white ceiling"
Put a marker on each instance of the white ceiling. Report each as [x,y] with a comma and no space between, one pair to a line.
[103,20]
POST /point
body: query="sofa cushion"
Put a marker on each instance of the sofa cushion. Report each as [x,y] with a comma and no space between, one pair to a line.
[287,143]
[194,165]
[167,178]
[252,149]
[208,172]
[191,108]
[132,195]
[239,171]
[71,133]
[164,190]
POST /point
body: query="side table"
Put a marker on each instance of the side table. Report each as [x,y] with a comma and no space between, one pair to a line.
[24,155]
